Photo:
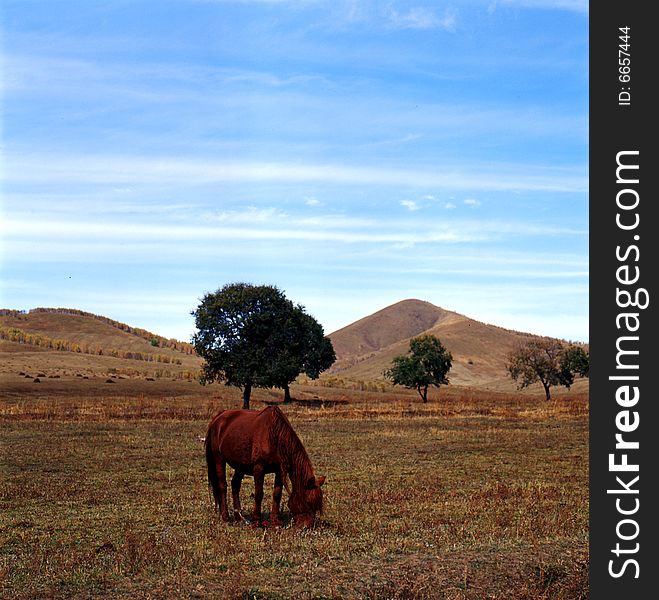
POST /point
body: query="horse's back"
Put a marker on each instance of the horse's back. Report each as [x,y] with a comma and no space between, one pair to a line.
[242,436]
[241,419]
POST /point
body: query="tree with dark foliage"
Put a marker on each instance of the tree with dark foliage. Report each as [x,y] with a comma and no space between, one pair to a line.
[253,336]
[306,350]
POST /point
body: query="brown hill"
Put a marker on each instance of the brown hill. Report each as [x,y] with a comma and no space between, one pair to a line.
[397,322]
[63,341]
[366,348]
[80,327]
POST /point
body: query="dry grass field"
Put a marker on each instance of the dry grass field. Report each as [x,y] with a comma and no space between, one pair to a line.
[475,495]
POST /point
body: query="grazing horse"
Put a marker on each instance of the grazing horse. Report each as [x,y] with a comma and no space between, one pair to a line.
[257,443]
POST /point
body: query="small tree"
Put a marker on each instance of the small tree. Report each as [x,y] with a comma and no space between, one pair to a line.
[426,363]
[547,361]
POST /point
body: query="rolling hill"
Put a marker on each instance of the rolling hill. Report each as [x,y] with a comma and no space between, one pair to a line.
[66,341]
[366,348]
[61,342]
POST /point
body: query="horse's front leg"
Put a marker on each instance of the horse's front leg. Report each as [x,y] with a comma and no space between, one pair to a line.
[276,499]
[235,493]
[259,476]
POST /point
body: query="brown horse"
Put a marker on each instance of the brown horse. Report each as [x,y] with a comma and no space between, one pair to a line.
[257,443]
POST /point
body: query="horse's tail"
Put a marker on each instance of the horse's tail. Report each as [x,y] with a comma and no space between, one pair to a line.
[213,479]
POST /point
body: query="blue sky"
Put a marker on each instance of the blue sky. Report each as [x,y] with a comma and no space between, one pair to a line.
[352,152]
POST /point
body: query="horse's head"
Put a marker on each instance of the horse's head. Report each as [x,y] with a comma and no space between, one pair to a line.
[306,502]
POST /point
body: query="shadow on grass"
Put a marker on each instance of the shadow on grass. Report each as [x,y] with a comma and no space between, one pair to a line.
[311,403]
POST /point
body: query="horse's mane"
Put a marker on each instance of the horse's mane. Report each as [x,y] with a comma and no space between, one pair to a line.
[290,448]
[295,460]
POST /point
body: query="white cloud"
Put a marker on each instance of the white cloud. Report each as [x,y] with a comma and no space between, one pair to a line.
[422,18]
[569,5]
[293,3]
[404,139]
[251,214]
[311,201]
[449,20]
[472,202]
[410,205]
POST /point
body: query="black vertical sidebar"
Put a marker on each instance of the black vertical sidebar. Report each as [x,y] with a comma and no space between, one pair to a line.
[624,415]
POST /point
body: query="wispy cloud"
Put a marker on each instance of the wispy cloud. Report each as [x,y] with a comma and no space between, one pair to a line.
[243,111]
[122,170]
[472,202]
[125,231]
[410,205]
[251,215]
[422,18]
[570,5]
[276,225]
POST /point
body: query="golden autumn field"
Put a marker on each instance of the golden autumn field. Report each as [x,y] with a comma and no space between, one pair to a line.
[474,495]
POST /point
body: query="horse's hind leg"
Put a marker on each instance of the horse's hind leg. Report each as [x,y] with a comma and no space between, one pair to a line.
[235,492]
[222,476]
[276,499]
